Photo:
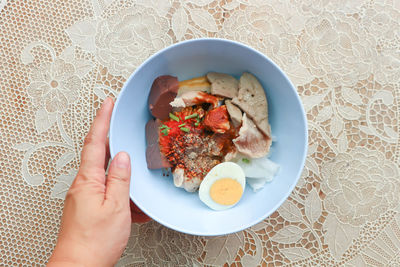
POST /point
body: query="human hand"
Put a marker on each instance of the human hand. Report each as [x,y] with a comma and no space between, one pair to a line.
[96,220]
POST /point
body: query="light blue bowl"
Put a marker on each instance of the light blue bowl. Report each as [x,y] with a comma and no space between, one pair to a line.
[155,194]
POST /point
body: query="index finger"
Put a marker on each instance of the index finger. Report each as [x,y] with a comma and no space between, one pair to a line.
[94,148]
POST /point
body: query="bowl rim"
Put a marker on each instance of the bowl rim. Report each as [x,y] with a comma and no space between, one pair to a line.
[303,114]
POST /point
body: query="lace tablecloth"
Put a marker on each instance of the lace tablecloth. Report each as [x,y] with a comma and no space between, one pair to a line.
[60,59]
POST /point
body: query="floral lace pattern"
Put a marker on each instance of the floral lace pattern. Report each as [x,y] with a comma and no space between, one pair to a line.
[127,38]
[360,186]
[60,59]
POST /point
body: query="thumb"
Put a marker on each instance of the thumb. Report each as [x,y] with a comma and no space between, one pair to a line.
[118,179]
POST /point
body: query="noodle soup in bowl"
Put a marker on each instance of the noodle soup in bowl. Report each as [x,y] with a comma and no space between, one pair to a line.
[154,192]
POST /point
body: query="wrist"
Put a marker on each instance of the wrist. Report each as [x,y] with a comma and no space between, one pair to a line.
[67,253]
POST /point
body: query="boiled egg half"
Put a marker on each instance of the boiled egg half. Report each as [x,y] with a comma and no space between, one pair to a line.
[223,186]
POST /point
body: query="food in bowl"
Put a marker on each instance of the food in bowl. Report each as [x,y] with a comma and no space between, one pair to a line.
[203,123]
[155,194]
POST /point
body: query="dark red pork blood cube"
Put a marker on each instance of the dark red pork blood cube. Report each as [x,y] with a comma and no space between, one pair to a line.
[154,158]
[163,91]
[152,131]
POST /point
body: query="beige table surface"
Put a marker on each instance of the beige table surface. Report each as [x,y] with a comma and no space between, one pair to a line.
[60,59]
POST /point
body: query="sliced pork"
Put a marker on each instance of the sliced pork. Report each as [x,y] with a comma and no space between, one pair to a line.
[234,112]
[223,84]
[252,100]
[194,98]
[251,141]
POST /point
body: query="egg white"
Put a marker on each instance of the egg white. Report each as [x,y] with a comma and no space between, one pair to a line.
[220,171]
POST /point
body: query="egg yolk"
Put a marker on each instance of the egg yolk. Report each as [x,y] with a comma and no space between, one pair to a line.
[226,191]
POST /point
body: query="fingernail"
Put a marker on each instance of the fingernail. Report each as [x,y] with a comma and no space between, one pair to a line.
[122,160]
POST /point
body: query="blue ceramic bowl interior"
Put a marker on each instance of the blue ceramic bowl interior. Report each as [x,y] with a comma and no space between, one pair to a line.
[156,194]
